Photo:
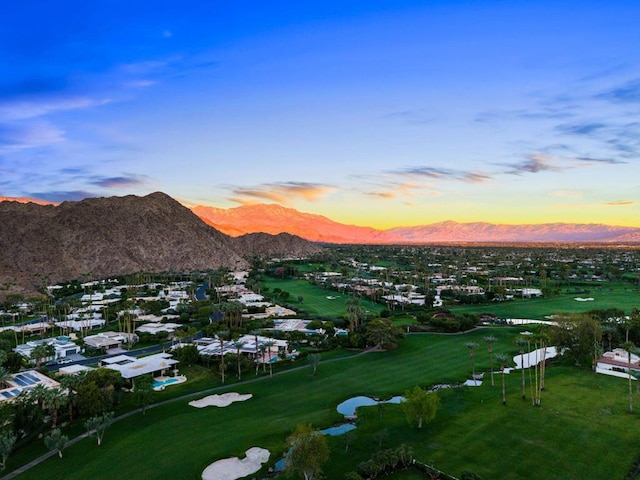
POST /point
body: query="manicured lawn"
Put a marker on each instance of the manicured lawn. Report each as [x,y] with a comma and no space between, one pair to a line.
[582,415]
[316,300]
[608,295]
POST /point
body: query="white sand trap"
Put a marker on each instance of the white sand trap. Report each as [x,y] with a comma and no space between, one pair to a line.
[535,357]
[233,468]
[580,299]
[223,400]
[472,383]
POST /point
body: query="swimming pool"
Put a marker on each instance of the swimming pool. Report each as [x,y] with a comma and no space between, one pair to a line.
[158,385]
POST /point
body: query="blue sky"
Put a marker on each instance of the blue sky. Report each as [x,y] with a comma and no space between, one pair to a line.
[380,113]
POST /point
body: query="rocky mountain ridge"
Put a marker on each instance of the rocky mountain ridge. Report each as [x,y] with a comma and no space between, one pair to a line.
[99,237]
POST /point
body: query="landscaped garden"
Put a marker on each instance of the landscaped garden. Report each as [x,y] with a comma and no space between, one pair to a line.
[582,417]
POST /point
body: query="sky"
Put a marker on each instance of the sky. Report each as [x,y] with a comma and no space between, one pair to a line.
[380,113]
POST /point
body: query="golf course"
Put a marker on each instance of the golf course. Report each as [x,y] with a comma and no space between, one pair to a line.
[581,429]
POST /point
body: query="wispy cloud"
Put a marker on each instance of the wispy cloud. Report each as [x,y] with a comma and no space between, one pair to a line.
[130,180]
[283,192]
[535,163]
[581,128]
[20,135]
[627,93]
[621,203]
[61,195]
[610,161]
[440,173]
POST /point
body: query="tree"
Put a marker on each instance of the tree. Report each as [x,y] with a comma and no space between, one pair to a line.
[490,339]
[355,313]
[55,399]
[314,360]
[419,406]
[4,377]
[502,359]
[575,336]
[39,352]
[629,347]
[221,336]
[7,441]
[56,441]
[238,344]
[472,347]
[349,438]
[187,354]
[268,344]
[308,450]
[521,342]
[97,425]
[143,392]
[382,333]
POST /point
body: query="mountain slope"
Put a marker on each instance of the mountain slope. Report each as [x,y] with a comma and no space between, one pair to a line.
[272,246]
[488,232]
[274,219]
[99,237]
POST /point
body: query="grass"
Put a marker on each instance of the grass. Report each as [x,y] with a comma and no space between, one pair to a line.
[315,300]
[610,295]
[582,415]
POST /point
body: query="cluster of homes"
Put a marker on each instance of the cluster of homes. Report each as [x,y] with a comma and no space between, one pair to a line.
[76,334]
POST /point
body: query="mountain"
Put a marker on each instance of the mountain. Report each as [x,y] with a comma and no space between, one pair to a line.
[274,219]
[274,246]
[25,200]
[489,232]
[99,237]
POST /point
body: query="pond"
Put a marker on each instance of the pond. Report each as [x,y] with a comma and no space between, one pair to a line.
[348,407]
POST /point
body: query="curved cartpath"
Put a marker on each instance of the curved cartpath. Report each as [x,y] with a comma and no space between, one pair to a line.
[75,440]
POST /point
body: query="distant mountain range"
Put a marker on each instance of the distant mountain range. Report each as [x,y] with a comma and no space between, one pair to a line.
[100,237]
[275,219]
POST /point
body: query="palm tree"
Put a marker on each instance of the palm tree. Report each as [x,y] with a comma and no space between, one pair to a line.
[521,342]
[471,346]
[269,344]
[238,344]
[255,334]
[502,359]
[263,349]
[5,375]
[629,347]
[55,399]
[222,366]
[490,339]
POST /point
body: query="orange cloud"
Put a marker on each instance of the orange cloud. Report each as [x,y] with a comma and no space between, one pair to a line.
[621,203]
[281,193]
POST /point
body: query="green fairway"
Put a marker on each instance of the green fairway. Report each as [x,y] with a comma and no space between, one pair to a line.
[582,415]
[609,295]
[317,300]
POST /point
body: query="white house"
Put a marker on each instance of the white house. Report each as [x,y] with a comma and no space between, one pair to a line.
[131,367]
[617,364]
[62,348]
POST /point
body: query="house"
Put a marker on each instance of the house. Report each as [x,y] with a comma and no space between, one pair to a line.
[18,383]
[63,348]
[84,324]
[617,364]
[131,367]
[108,340]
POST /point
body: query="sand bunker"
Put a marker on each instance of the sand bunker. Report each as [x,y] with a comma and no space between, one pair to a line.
[233,468]
[223,400]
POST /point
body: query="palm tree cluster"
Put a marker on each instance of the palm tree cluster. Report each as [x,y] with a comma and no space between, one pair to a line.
[385,462]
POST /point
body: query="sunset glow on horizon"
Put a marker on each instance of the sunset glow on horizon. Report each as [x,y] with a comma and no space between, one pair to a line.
[380,113]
